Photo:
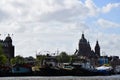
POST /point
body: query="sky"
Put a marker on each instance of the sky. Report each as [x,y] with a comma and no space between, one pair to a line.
[47,26]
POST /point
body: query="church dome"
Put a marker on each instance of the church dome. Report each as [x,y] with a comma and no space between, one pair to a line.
[83,40]
[8,38]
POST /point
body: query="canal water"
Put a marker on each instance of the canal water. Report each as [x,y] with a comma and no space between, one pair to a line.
[114,77]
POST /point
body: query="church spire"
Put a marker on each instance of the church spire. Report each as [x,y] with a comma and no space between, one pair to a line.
[97,42]
[97,48]
[83,35]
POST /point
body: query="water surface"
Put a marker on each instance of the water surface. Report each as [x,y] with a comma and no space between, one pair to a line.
[114,77]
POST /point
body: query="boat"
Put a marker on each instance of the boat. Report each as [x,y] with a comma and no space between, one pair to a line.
[82,67]
[21,69]
[117,69]
[16,70]
[77,67]
[108,70]
[51,67]
[5,70]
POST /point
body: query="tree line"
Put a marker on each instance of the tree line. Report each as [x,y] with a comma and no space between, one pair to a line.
[3,58]
[63,57]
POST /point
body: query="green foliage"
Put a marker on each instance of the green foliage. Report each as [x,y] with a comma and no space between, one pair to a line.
[3,58]
[63,57]
[40,59]
[72,57]
[17,60]
[1,50]
[13,61]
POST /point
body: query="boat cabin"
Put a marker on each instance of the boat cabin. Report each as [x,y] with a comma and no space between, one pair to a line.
[50,61]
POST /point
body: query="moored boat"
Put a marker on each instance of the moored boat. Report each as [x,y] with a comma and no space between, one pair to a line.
[78,67]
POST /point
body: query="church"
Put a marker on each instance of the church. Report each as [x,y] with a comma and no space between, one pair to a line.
[8,47]
[84,49]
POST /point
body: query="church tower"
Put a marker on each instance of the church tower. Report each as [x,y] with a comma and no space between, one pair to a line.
[97,49]
[8,48]
[84,47]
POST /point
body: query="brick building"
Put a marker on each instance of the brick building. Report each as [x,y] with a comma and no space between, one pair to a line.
[8,47]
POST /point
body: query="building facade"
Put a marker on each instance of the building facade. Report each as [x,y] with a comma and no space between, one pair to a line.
[84,49]
[8,47]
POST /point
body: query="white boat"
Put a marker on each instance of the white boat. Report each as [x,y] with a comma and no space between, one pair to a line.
[104,68]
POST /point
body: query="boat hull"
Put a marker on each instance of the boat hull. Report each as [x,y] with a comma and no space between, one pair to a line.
[59,72]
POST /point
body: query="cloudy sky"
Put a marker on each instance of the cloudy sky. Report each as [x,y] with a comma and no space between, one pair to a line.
[50,25]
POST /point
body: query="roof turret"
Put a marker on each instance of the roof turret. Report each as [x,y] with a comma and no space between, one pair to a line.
[83,40]
[8,38]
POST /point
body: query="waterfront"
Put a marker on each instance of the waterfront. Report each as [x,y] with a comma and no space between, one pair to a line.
[113,77]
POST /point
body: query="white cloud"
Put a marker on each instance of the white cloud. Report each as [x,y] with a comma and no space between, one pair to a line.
[107,24]
[50,10]
[48,24]
[109,7]
[109,44]
[3,15]
[93,10]
[69,12]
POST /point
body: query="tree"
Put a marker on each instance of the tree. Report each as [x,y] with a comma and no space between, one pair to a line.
[40,59]
[1,50]
[63,57]
[72,58]
[3,58]
[17,60]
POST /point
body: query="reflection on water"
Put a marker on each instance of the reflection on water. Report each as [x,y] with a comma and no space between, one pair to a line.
[115,77]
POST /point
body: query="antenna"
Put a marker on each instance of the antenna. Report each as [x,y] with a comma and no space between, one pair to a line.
[12,34]
[83,32]
[4,34]
[57,51]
